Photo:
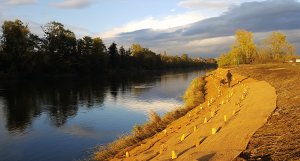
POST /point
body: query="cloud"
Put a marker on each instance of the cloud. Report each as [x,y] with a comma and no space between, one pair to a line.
[211,4]
[80,31]
[211,36]
[20,2]
[70,4]
[151,105]
[79,130]
[156,24]
[204,3]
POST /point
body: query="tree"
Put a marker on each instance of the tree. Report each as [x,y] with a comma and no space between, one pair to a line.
[87,45]
[60,46]
[136,49]
[59,52]
[277,46]
[244,49]
[15,38]
[122,51]
[99,54]
[16,44]
[113,55]
[128,52]
[123,58]
[59,40]
[35,44]
[98,46]
[80,46]
[185,57]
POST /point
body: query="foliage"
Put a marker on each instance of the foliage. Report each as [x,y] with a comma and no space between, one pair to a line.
[274,48]
[194,95]
[244,48]
[60,52]
[277,48]
[16,41]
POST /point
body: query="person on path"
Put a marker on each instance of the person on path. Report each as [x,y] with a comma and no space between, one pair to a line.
[229,77]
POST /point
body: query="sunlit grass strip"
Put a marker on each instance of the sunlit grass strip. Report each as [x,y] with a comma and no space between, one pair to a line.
[193,97]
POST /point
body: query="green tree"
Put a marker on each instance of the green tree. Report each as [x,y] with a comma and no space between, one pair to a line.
[80,46]
[59,40]
[87,45]
[60,46]
[16,45]
[98,46]
[15,38]
[128,52]
[122,51]
[99,54]
[113,55]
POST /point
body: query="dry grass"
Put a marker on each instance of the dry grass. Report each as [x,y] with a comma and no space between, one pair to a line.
[279,138]
[193,97]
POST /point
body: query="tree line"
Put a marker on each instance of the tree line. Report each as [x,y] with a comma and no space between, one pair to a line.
[60,52]
[274,48]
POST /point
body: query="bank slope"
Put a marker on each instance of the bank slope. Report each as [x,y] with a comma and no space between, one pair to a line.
[246,107]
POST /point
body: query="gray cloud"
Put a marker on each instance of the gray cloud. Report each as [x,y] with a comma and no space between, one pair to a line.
[253,16]
[70,4]
[202,37]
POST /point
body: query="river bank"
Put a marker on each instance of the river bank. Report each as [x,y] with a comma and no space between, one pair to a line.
[218,129]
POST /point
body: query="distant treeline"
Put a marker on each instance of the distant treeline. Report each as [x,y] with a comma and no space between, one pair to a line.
[274,48]
[60,52]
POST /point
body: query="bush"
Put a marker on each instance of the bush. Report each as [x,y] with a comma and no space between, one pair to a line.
[194,95]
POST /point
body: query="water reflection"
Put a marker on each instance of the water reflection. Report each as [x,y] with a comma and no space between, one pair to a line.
[25,100]
[69,116]
[60,99]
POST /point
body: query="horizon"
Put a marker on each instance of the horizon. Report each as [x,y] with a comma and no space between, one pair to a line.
[195,27]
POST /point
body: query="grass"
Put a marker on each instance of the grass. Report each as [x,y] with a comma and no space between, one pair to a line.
[193,96]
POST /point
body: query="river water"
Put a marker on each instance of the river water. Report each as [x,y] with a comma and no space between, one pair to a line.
[65,119]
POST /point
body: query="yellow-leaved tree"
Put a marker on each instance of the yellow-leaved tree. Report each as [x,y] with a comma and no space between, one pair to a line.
[136,49]
[244,49]
[276,47]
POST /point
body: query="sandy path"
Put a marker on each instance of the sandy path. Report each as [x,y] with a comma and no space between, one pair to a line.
[247,107]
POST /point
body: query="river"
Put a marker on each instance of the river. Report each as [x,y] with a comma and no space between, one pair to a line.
[65,119]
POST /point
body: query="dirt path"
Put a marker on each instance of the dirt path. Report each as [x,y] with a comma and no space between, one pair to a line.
[246,106]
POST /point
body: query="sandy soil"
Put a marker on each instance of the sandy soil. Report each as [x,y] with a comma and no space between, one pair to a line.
[279,138]
[246,106]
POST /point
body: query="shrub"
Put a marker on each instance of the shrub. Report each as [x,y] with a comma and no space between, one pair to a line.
[194,95]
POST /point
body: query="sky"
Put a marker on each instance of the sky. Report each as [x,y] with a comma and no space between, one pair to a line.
[200,28]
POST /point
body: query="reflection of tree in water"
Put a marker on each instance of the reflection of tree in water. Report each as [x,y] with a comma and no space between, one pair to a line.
[24,100]
[20,109]
[61,99]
